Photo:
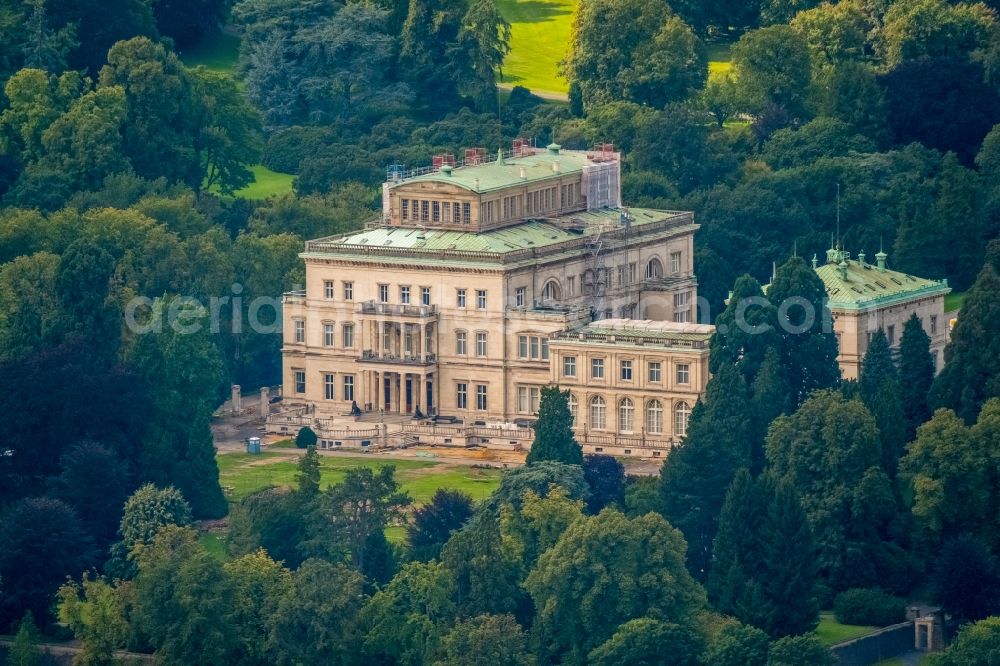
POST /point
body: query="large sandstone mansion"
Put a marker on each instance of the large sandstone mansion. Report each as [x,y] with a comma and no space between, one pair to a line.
[485,280]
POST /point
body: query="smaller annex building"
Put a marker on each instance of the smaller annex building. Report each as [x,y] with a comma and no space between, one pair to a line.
[865,297]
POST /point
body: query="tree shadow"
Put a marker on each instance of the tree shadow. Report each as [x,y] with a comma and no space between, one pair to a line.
[539,11]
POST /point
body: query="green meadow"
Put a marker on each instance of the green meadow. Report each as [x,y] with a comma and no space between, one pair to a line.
[242,474]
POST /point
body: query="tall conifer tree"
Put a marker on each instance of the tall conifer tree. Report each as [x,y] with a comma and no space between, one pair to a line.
[554,438]
[916,374]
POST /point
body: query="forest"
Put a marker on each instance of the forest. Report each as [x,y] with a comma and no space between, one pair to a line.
[794,491]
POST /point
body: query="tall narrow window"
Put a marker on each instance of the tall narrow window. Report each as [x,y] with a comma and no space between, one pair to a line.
[598,413]
[654,417]
[348,387]
[348,291]
[481,343]
[481,299]
[424,211]
[300,330]
[300,381]
[460,298]
[461,343]
[435,211]
[328,289]
[522,346]
[519,297]
[626,367]
[574,407]
[654,371]
[569,366]
[682,412]
[462,395]
[404,295]
[329,386]
[683,373]
[327,335]
[467,217]
[405,208]
[675,262]
[425,295]
[481,396]
[626,415]
[383,293]
[348,330]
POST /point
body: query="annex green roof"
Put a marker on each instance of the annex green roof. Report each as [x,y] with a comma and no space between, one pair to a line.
[853,284]
[532,234]
[506,172]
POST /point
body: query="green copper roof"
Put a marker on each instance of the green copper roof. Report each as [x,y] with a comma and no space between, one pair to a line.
[503,173]
[852,284]
[524,236]
[639,331]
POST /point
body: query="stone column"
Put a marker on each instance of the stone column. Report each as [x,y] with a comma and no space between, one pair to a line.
[237,403]
[419,401]
[265,402]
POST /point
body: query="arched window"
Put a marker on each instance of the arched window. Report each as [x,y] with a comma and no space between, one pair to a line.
[598,413]
[574,406]
[551,291]
[654,269]
[654,417]
[681,415]
[626,415]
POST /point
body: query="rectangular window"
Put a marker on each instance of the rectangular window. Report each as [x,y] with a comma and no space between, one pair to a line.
[682,307]
[467,218]
[675,262]
[462,395]
[481,396]
[891,334]
[683,373]
[621,275]
[481,343]
[481,299]
[447,212]
[460,298]
[348,387]
[424,210]
[654,371]
[597,368]
[522,346]
[327,335]
[545,349]
[571,286]
[405,207]
[519,297]
[534,347]
[435,211]
[348,330]
[631,273]
[569,366]
[626,371]
[461,343]
[425,295]
[933,324]
[328,385]
[386,337]
[404,295]
[522,399]
[300,381]
[328,289]
[383,293]
[300,330]
[348,291]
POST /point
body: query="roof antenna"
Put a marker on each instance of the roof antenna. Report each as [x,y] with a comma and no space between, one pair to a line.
[838,216]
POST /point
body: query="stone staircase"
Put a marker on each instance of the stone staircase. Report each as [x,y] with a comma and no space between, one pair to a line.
[392,419]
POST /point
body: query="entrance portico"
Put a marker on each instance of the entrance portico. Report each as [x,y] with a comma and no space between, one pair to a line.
[400,391]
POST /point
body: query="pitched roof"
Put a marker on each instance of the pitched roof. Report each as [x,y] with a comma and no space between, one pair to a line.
[861,285]
[498,174]
[494,244]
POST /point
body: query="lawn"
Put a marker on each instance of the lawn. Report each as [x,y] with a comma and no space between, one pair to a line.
[540,37]
[831,632]
[241,474]
[954,301]
[267,183]
[214,544]
[718,58]
[217,52]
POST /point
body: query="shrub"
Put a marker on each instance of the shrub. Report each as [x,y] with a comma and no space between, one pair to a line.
[868,606]
[305,438]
